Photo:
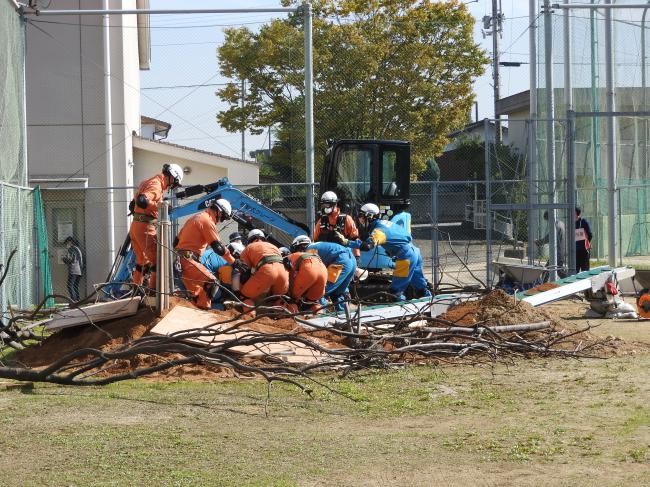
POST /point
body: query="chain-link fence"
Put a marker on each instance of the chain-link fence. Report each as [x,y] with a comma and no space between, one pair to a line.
[13,167]
[25,279]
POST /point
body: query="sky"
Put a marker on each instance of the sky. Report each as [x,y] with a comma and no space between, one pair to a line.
[183,51]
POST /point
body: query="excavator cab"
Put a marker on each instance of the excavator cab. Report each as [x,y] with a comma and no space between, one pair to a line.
[368,171]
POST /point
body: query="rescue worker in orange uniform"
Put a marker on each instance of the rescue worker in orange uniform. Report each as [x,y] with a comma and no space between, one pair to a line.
[307,275]
[197,233]
[332,221]
[144,207]
[268,275]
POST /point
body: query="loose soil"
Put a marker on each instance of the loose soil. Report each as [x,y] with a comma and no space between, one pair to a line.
[496,308]
[111,335]
[547,286]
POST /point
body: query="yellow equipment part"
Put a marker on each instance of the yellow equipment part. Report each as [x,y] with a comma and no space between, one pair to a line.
[643,304]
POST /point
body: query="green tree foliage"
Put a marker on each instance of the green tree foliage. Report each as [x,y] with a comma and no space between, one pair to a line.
[383,69]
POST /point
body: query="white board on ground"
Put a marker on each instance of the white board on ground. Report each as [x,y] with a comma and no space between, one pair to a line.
[429,307]
[94,313]
[182,318]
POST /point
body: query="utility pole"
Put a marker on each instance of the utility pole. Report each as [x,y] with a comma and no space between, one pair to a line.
[243,131]
[492,26]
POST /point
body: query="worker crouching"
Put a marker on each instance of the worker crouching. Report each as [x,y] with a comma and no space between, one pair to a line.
[144,207]
[397,243]
[307,276]
[197,233]
[268,274]
[341,266]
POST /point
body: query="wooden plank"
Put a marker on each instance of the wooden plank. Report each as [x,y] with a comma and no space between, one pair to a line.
[96,312]
[181,318]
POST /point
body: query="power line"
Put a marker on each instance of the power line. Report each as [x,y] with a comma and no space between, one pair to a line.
[202,26]
[171,87]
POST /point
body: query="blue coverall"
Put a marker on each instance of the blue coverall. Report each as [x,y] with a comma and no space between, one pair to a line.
[341,266]
[213,262]
[403,219]
[408,261]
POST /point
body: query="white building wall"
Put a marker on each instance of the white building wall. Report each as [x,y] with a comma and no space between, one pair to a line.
[65,114]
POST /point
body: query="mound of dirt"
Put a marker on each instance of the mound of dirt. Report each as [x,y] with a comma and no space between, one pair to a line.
[111,335]
[498,308]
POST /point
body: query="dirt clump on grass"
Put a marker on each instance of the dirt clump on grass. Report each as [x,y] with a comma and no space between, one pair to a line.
[498,308]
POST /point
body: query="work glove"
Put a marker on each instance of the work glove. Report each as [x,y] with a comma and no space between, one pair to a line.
[240,266]
[340,239]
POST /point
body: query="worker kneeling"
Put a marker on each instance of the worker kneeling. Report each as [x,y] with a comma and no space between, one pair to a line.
[397,243]
[307,275]
[341,265]
[268,275]
[197,233]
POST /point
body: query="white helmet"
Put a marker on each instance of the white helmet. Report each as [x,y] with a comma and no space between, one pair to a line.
[256,234]
[300,241]
[236,248]
[284,251]
[175,171]
[370,211]
[329,197]
[225,210]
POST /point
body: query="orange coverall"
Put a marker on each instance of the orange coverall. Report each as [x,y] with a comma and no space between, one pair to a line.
[142,233]
[269,279]
[197,233]
[308,277]
[350,230]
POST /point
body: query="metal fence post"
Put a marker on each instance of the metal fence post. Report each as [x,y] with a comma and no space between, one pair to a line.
[163,259]
[488,206]
[531,216]
[434,235]
[3,256]
[309,112]
[571,189]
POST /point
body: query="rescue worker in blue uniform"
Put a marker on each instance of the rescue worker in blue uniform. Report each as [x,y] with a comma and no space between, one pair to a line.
[218,266]
[403,219]
[396,240]
[341,266]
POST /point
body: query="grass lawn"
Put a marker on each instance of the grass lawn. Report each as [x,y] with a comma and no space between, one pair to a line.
[556,422]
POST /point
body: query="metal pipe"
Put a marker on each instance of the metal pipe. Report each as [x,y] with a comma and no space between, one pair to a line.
[605,7]
[532,130]
[571,190]
[309,113]
[488,205]
[106,11]
[612,211]
[434,235]
[568,93]
[108,122]
[3,256]
[644,101]
[496,28]
[550,136]
[162,258]
[595,127]
[243,132]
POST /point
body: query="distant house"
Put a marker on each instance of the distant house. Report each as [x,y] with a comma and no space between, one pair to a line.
[461,161]
[199,166]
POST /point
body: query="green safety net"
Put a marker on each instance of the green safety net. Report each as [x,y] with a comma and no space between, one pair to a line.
[45,273]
